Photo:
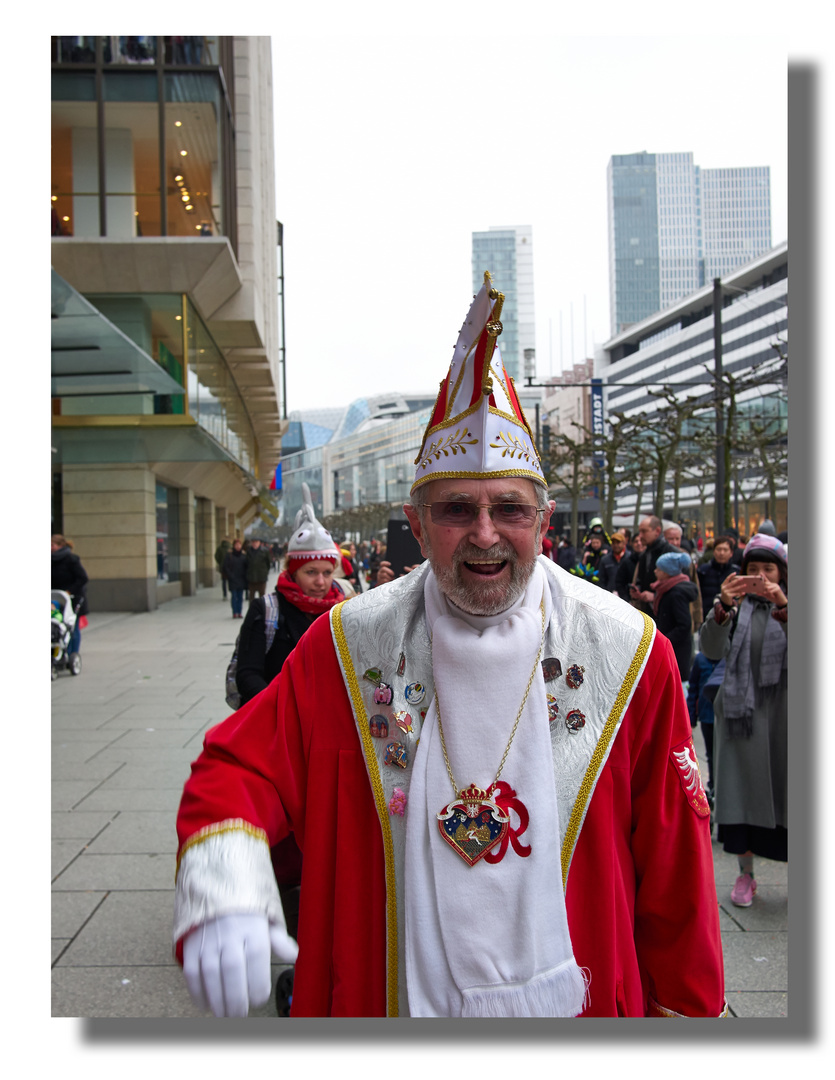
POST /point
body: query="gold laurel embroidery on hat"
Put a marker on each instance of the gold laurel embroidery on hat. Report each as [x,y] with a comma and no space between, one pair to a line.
[478,429]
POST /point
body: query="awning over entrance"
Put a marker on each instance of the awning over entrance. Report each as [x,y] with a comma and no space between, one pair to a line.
[91,356]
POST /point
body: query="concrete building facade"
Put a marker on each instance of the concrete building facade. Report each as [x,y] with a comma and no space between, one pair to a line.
[166,384]
[675,348]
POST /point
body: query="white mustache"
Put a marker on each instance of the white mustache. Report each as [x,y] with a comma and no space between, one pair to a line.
[471,553]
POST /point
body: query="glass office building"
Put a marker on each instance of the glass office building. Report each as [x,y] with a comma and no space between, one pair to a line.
[507,252]
[673,227]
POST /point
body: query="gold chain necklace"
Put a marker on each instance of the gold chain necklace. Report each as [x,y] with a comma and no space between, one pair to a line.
[473,823]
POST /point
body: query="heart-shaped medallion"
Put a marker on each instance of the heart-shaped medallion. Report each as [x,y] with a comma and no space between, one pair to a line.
[472,824]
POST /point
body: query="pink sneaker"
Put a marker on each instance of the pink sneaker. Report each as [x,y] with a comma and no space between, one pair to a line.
[744,891]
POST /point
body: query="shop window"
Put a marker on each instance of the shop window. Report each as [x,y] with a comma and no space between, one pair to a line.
[75,159]
[162,532]
[131,146]
[193,154]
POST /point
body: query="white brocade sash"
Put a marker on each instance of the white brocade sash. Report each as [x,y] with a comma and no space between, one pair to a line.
[385,629]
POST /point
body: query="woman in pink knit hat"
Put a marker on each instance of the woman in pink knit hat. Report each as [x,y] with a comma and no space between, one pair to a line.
[748,629]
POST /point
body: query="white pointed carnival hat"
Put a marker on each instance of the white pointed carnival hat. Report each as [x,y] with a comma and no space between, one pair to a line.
[478,430]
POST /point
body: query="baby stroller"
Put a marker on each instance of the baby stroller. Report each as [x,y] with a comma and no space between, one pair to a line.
[63,624]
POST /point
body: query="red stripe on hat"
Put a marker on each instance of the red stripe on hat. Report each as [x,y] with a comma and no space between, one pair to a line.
[478,367]
[440,404]
[514,400]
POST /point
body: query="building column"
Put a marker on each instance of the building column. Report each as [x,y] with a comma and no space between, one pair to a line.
[207,574]
[187,551]
[110,518]
[221,524]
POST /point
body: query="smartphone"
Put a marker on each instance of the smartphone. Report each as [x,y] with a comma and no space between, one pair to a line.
[756,585]
[402,549]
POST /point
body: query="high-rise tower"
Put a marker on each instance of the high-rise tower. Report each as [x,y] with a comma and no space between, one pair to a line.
[674,226]
[507,252]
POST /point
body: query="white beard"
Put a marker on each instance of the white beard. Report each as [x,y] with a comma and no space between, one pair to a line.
[489,598]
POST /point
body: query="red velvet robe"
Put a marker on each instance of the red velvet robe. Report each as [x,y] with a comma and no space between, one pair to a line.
[640,896]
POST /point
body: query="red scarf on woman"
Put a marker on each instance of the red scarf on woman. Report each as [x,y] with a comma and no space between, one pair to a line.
[662,587]
[311,605]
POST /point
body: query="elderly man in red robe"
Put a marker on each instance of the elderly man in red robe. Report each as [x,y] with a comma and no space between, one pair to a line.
[543,774]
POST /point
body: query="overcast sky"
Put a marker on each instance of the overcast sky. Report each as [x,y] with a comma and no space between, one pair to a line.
[391,150]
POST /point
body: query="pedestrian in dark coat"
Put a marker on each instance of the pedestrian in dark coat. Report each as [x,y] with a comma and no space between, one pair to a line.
[257,568]
[626,567]
[566,553]
[713,572]
[674,592]
[234,567]
[650,531]
[69,575]
[611,561]
[220,554]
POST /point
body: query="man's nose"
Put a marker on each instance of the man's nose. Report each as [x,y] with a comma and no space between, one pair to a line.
[483,533]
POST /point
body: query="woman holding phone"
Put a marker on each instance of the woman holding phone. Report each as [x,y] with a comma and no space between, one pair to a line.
[748,627]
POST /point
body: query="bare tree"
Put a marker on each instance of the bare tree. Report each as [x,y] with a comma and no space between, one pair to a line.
[568,467]
[768,378]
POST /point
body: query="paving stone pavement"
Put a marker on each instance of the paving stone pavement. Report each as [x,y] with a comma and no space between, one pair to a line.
[124,733]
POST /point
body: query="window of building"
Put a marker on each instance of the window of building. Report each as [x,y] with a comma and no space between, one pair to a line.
[193,154]
[180,195]
[75,158]
[131,154]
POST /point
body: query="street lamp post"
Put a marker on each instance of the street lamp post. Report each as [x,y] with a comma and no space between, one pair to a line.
[719,490]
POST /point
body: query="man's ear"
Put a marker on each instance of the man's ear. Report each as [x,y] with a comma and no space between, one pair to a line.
[414,521]
[545,522]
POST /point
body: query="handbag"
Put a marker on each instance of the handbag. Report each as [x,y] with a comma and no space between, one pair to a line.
[271,620]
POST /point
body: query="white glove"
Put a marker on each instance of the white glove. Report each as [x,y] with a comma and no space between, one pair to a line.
[226,962]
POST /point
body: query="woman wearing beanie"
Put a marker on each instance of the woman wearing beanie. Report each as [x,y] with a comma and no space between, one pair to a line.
[748,626]
[305,589]
[674,593]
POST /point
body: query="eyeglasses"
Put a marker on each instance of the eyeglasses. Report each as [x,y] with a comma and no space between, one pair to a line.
[510,515]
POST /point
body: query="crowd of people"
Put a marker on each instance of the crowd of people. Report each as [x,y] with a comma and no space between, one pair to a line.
[724,608]
[318,825]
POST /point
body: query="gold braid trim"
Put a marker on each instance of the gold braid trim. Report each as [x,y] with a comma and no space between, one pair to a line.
[590,778]
[459,380]
[485,475]
[217,829]
[361,718]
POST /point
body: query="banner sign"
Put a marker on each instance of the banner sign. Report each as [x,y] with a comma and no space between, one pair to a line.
[597,406]
[597,423]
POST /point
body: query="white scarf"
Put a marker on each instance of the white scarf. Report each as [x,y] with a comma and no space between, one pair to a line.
[488,939]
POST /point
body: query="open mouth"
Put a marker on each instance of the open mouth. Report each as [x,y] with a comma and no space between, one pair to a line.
[485,569]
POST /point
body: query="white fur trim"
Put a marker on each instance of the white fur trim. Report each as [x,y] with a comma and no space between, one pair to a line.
[227,871]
